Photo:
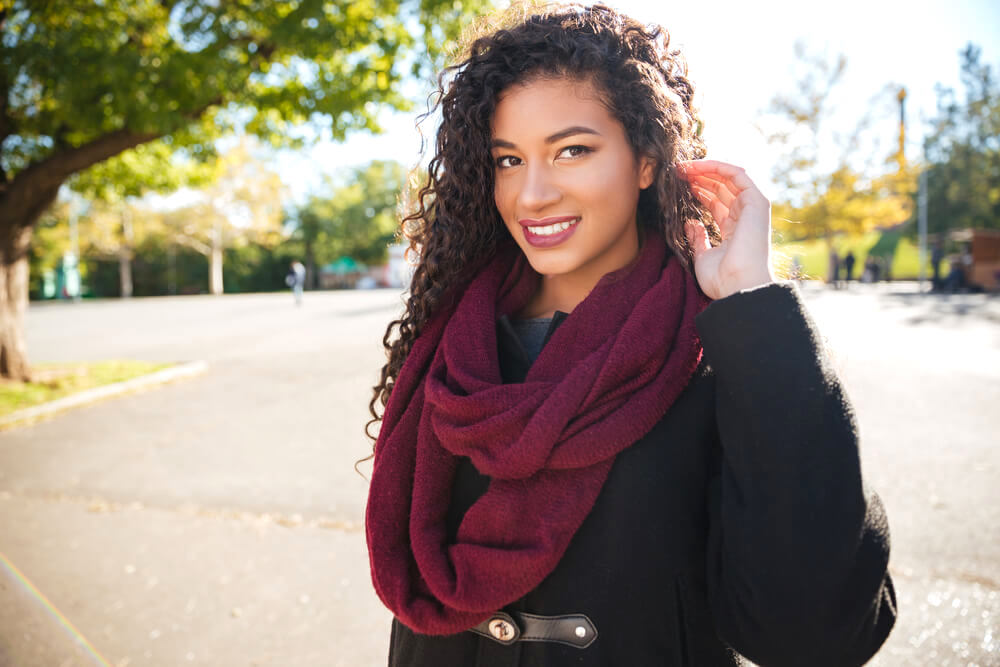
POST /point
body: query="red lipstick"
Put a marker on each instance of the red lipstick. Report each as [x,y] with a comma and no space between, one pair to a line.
[548,240]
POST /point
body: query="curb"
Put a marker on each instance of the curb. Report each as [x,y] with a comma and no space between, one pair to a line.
[46,410]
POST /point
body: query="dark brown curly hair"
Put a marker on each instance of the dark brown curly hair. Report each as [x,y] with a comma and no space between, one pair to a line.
[455,227]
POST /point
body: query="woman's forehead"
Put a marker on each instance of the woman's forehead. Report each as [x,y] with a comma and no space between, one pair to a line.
[542,107]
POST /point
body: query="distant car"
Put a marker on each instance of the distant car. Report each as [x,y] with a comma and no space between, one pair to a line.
[365,282]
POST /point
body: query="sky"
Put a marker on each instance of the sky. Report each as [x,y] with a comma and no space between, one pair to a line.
[739,56]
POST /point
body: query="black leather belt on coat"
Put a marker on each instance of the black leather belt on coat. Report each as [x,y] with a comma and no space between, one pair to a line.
[574,630]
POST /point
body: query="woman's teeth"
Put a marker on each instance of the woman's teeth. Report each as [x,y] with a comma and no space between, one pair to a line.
[549,230]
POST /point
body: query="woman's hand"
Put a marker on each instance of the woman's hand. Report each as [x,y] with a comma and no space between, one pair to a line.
[743,214]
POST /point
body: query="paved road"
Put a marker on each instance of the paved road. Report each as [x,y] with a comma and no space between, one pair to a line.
[217,521]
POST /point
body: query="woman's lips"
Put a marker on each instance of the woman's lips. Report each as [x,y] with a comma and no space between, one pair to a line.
[542,240]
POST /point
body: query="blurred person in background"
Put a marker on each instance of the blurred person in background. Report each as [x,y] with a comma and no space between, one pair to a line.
[848,265]
[608,435]
[296,279]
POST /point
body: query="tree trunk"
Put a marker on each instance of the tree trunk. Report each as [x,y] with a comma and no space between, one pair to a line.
[312,279]
[14,304]
[172,269]
[22,201]
[125,254]
[215,262]
[125,272]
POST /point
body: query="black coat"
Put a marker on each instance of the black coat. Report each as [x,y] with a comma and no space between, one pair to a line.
[738,524]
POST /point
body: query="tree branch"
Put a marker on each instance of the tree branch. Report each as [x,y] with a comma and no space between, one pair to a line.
[194,244]
[20,200]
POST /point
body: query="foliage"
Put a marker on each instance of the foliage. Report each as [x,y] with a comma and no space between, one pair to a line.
[188,71]
[160,268]
[847,203]
[852,192]
[258,268]
[963,151]
[356,219]
[243,204]
[152,167]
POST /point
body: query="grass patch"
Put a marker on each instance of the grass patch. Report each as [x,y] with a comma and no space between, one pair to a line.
[890,245]
[56,380]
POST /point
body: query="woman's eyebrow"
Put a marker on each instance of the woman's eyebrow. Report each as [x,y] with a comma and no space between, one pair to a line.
[551,139]
[569,132]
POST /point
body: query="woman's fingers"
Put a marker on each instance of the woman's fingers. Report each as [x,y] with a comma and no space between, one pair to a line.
[715,206]
[720,188]
[725,216]
[697,236]
[723,171]
[735,178]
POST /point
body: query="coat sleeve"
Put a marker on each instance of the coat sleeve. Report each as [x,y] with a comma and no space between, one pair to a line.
[798,548]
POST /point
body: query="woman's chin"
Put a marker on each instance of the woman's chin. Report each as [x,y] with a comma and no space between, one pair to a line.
[547,264]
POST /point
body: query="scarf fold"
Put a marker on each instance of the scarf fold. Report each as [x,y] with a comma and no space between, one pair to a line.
[606,376]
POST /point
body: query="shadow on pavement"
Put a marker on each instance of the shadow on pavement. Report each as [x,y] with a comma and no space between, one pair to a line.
[940,308]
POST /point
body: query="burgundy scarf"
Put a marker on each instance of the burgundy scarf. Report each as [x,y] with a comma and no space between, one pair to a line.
[604,379]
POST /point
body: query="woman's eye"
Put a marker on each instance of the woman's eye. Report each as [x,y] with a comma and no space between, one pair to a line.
[575,151]
[505,161]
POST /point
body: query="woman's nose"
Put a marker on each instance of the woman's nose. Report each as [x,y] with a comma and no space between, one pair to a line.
[539,188]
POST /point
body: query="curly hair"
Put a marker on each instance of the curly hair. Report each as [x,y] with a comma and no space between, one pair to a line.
[455,227]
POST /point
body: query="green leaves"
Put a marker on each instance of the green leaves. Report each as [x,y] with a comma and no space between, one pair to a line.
[77,71]
[356,219]
[963,148]
[826,194]
[151,167]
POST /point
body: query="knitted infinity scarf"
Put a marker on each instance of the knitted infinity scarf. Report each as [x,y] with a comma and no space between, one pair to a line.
[604,379]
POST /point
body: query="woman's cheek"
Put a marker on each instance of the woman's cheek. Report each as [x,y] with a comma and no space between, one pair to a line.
[500,188]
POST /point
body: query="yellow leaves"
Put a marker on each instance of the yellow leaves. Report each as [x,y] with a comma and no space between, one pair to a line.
[828,193]
[846,202]
[244,202]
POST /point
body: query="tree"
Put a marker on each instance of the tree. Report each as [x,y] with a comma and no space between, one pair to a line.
[243,204]
[846,189]
[83,82]
[357,219]
[963,151]
[113,188]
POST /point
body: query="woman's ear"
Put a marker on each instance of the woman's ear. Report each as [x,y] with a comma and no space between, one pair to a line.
[647,170]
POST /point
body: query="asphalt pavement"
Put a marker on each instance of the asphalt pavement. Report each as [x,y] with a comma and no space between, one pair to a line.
[218,520]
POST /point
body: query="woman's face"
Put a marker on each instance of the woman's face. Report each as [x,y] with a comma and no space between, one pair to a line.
[567,180]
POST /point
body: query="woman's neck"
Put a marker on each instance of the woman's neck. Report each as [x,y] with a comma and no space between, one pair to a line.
[555,293]
[565,291]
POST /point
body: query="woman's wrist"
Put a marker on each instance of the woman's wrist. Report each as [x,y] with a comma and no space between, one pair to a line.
[746,280]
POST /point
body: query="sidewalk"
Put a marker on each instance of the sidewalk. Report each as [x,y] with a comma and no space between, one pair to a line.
[218,521]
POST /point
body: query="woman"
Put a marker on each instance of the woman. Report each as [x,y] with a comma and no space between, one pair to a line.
[582,460]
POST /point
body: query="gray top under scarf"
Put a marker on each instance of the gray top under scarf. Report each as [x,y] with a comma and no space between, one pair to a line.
[531,333]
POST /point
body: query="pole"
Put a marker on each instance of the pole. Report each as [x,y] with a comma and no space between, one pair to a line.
[71,273]
[901,153]
[922,226]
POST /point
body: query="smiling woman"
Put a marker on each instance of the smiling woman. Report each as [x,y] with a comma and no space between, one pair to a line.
[567,187]
[609,436]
